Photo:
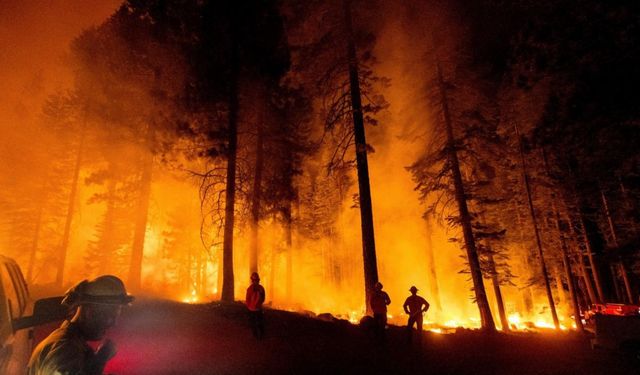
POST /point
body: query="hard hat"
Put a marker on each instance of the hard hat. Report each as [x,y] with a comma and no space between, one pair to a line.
[255,276]
[103,290]
[413,289]
[378,285]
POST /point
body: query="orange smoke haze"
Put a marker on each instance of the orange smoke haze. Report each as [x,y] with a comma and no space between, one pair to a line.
[34,39]
[327,273]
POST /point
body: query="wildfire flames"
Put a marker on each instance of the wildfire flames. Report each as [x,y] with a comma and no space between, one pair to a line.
[103,172]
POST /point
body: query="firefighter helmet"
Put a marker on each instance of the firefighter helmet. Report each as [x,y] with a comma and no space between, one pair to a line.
[103,290]
[255,276]
[413,289]
[378,286]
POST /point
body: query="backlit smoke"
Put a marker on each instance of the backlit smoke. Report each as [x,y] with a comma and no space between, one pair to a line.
[182,247]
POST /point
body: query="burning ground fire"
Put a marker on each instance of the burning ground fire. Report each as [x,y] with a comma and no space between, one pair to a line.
[183,263]
[516,322]
[166,267]
[343,298]
[193,298]
[436,321]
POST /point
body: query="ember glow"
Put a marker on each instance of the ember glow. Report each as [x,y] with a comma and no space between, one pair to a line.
[111,166]
[193,298]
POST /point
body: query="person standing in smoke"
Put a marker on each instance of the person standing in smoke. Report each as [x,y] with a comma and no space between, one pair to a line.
[378,302]
[254,300]
[415,306]
[65,351]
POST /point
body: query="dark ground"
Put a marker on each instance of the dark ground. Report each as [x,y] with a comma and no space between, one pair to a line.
[161,337]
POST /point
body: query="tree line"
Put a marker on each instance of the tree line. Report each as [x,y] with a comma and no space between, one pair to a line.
[529,152]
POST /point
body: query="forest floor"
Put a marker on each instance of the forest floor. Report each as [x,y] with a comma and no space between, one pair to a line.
[162,337]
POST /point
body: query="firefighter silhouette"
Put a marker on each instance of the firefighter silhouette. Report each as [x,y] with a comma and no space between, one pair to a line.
[378,302]
[415,306]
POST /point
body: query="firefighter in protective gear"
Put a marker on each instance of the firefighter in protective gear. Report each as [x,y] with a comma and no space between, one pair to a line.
[254,300]
[65,351]
[415,306]
[378,302]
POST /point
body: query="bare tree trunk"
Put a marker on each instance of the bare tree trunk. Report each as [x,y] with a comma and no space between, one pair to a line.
[581,263]
[272,273]
[634,229]
[612,231]
[592,263]
[543,265]
[572,286]
[62,257]
[562,297]
[496,290]
[465,218]
[228,288]
[220,273]
[614,238]
[108,232]
[431,269]
[34,243]
[256,200]
[324,262]
[366,210]
[556,273]
[289,251]
[565,261]
[627,283]
[142,212]
[527,296]
[587,280]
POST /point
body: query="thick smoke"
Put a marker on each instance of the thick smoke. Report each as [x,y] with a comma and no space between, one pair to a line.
[327,274]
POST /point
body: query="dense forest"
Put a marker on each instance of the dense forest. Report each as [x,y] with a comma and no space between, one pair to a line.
[487,152]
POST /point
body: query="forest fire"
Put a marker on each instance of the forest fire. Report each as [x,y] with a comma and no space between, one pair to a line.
[193,298]
[184,145]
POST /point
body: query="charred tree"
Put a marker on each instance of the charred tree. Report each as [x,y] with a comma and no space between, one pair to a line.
[230,191]
[534,221]
[527,296]
[496,289]
[272,272]
[288,240]
[585,238]
[566,262]
[220,269]
[499,301]
[586,278]
[256,52]
[34,243]
[142,212]
[431,268]
[465,218]
[562,297]
[614,239]
[62,257]
[582,266]
[103,254]
[366,211]
[591,256]
[256,197]
[108,249]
